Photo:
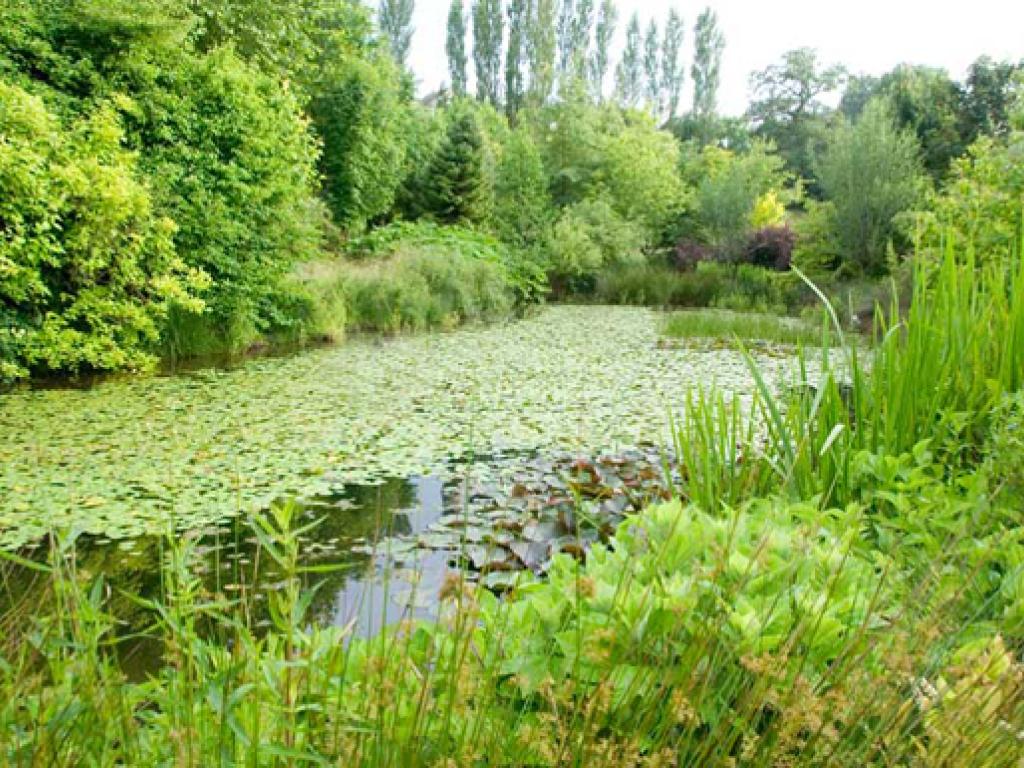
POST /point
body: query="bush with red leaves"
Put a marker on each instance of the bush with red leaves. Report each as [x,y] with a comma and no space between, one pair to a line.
[690,253]
[771,248]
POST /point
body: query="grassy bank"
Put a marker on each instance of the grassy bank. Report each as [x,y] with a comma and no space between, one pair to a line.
[841,588]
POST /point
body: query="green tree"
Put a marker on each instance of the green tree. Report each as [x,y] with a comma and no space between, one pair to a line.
[991,90]
[290,40]
[233,163]
[425,129]
[639,173]
[652,68]
[926,101]
[361,117]
[709,43]
[630,72]
[980,205]
[488,32]
[672,68]
[787,107]
[522,206]
[395,18]
[566,37]
[87,266]
[860,89]
[455,47]
[582,30]
[230,157]
[457,186]
[600,61]
[515,57]
[541,51]
[870,171]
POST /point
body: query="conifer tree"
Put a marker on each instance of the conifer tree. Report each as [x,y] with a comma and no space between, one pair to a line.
[457,189]
[455,47]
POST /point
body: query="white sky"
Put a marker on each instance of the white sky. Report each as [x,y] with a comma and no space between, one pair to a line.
[868,36]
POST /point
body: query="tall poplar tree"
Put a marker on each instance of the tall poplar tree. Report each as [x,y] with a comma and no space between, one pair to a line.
[673,70]
[566,32]
[707,64]
[396,24]
[629,74]
[541,50]
[582,28]
[515,56]
[601,59]
[488,29]
[652,69]
[455,46]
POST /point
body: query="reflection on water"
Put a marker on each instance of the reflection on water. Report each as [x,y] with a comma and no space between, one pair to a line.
[365,591]
[377,554]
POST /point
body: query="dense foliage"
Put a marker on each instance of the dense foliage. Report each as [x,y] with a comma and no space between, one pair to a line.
[258,141]
[88,270]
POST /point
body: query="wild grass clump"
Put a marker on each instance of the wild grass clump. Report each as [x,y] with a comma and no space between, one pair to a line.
[740,288]
[416,290]
[721,324]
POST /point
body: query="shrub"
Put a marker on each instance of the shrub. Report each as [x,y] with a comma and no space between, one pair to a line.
[771,248]
[768,211]
[523,269]
[573,258]
[87,267]
[818,251]
[422,288]
[729,188]
[689,253]
[588,239]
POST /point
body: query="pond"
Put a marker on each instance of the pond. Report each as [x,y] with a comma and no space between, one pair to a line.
[381,438]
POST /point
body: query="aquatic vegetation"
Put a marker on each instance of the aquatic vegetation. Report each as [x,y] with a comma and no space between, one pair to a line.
[133,457]
[727,326]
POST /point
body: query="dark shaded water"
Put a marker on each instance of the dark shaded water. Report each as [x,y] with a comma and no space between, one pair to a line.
[378,554]
[359,590]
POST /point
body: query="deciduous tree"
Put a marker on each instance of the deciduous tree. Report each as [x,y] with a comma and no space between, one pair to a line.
[455,47]
[629,75]
[672,68]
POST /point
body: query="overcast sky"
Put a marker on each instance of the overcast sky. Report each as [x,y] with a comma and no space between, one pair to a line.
[868,36]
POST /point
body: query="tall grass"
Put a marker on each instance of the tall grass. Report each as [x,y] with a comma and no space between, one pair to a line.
[834,586]
[724,325]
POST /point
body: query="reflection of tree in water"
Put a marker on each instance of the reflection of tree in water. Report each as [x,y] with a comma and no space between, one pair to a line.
[225,561]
